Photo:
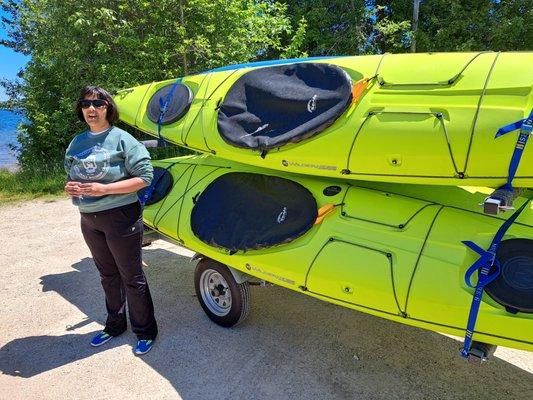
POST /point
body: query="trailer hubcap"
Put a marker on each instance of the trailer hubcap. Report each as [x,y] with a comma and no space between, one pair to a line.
[215,292]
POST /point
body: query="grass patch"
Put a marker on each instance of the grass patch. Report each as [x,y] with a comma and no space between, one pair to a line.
[28,185]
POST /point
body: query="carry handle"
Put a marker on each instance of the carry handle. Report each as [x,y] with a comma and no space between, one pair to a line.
[323,212]
[358,88]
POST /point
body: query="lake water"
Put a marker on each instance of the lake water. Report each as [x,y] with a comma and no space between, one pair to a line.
[8,135]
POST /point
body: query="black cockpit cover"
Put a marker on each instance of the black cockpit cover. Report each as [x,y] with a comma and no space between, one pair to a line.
[179,98]
[272,106]
[244,211]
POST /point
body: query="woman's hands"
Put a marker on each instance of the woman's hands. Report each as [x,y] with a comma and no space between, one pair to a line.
[73,189]
[78,189]
[95,189]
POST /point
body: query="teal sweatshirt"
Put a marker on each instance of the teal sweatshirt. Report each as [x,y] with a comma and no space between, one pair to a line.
[107,157]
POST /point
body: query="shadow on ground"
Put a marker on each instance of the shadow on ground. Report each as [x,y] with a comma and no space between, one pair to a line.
[290,345]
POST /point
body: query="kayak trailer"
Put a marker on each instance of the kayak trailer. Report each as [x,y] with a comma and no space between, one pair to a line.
[225,296]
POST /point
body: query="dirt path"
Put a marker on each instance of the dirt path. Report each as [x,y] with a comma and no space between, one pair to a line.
[290,347]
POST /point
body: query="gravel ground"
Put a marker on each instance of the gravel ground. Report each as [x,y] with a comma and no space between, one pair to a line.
[290,347]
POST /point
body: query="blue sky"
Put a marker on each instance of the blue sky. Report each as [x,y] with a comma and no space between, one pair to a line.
[10,62]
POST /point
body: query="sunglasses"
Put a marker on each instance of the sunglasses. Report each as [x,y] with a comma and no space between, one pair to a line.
[98,103]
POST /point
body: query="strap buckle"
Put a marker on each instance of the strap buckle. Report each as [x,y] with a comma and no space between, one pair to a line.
[501,200]
[476,357]
[494,206]
[527,126]
[478,353]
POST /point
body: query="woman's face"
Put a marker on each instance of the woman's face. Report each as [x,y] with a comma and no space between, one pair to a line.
[95,112]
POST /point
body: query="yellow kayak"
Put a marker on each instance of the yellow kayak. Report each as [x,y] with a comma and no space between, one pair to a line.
[403,118]
[394,251]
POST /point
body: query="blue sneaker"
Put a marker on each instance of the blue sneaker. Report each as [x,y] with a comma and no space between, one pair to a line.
[143,347]
[100,338]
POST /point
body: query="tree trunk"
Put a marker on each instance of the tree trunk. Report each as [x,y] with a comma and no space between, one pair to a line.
[184,57]
[416,6]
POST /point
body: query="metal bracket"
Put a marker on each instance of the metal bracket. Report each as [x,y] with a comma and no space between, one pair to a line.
[241,277]
[480,352]
[493,206]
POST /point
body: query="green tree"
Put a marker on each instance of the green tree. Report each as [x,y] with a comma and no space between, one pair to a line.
[334,27]
[392,30]
[351,27]
[512,20]
[123,43]
[463,25]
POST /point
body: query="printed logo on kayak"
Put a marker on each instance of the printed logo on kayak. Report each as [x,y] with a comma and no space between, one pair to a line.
[311,104]
[258,270]
[287,163]
[93,167]
[282,215]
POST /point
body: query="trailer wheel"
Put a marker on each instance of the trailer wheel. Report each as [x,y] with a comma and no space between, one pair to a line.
[225,301]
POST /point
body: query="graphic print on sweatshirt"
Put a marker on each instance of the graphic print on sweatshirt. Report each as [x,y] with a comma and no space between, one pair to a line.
[94,166]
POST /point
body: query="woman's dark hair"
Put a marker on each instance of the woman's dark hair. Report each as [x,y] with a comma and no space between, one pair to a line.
[112,111]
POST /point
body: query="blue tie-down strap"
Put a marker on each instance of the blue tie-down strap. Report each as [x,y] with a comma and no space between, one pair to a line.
[484,264]
[150,189]
[147,193]
[163,106]
[488,268]
[526,129]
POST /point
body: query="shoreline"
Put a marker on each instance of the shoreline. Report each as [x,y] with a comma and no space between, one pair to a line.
[12,168]
[9,144]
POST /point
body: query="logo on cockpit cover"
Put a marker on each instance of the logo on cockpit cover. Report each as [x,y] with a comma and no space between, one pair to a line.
[311,104]
[282,215]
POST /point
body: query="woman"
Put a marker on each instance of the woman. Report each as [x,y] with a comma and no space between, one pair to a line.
[106,166]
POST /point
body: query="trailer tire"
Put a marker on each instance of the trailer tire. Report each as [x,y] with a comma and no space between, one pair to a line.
[225,301]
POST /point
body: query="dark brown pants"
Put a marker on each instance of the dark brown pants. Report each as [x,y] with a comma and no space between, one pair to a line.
[114,237]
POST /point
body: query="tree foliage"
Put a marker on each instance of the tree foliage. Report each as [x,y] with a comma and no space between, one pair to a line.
[123,43]
[465,25]
[334,27]
[350,27]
